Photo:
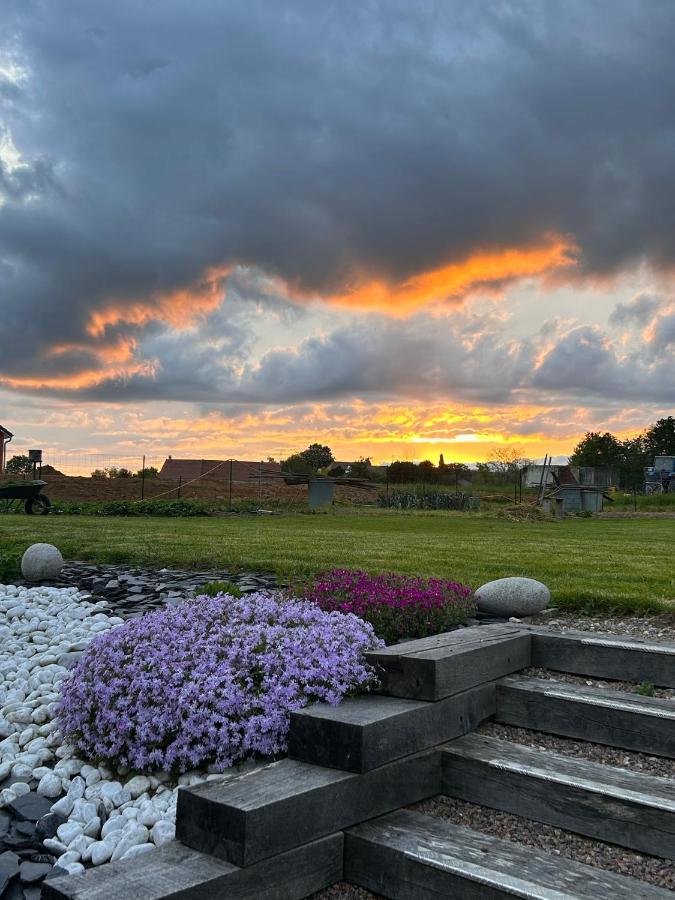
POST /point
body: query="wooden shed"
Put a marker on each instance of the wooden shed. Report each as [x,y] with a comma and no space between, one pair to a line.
[576,498]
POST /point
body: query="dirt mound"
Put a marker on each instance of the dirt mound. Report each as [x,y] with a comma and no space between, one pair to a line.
[524,512]
[50,472]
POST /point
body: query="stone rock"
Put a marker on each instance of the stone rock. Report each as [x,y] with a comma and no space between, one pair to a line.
[63,807]
[47,826]
[54,846]
[100,852]
[137,786]
[133,835]
[41,562]
[20,788]
[163,832]
[9,864]
[30,807]
[138,850]
[115,823]
[70,856]
[69,831]
[50,785]
[508,597]
[31,872]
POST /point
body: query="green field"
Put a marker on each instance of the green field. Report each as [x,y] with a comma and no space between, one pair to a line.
[618,564]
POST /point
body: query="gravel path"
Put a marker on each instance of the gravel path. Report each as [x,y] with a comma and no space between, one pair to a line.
[342,890]
[611,756]
[629,687]
[654,628]
[658,872]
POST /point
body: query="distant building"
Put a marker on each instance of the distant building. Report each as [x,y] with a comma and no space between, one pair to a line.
[601,477]
[189,469]
[5,437]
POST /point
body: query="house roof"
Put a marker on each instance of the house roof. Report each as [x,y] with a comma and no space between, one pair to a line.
[5,432]
[188,469]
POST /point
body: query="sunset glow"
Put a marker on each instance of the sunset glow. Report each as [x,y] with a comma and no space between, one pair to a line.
[401,230]
[453,282]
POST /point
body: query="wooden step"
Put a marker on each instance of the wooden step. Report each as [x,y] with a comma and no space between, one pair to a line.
[277,807]
[603,802]
[365,732]
[177,872]
[445,664]
[407,855]
[604,656]
[616,718]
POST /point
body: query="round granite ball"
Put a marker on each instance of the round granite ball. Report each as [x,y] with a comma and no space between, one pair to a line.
[41,562]
[513,597]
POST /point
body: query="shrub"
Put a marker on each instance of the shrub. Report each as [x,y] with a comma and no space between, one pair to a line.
[397,606]
[213,588]
[10,566]
[399,499]
[210,681]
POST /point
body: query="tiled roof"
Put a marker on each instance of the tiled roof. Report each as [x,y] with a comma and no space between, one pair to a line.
[187,469]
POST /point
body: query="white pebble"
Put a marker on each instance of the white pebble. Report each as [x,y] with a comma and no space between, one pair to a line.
[100,852]
[163,832]
[69,831]
[138,850]
[133,835]
[50,785]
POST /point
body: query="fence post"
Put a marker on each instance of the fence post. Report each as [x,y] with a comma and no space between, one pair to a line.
[180,481]
[230,500]
[143,479]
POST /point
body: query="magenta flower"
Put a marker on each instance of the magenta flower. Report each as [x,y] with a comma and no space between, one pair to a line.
[397,606]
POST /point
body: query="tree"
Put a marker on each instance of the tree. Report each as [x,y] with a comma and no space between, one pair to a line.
[296,464]
[317,456]
[597,449]
[360,468]
[19,465]
[113,472]
[402,472]
[148,472]
[659,439]
[427,471]
[441,462]
[635,457]
[454,472]
[506,460]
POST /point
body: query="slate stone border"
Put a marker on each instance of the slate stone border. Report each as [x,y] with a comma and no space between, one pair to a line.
[24,862]
[132,591]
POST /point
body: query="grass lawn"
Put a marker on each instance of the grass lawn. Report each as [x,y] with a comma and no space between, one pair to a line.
[622,564]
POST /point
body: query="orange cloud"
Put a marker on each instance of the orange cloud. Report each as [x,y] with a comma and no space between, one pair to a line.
[481,269]
[180,308]
[84,379]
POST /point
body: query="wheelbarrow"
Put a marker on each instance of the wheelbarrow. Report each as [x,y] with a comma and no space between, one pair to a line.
[27,492]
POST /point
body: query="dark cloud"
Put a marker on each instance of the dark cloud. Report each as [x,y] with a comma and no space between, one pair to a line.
[420,359]
[313,140]
[638,311]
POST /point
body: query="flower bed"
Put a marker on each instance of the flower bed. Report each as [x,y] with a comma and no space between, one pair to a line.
[397,606]
[210,681]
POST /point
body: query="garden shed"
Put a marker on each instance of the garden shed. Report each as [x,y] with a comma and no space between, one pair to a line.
[577,498]
[5,437]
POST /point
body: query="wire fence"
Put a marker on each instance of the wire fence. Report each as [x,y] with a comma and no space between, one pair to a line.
[112,477]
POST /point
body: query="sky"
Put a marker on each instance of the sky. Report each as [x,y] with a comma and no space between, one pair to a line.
[400,229]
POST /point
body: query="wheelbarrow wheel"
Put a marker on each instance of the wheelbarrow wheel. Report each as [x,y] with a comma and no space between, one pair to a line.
[38,506]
